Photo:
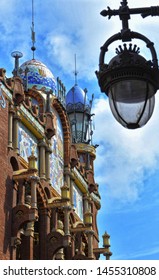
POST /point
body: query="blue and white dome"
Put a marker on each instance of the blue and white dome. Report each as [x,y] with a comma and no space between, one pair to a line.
[39,77]
[76,99]
[76,95]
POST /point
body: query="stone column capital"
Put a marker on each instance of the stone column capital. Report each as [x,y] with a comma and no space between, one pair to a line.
[42,143]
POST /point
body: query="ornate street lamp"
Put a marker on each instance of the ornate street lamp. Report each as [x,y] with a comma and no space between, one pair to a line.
[129,80]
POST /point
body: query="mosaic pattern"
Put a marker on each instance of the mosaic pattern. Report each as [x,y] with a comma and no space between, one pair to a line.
[26,140]
[7,92]
[78,201]
[2,100]
[38,75]
[57,156]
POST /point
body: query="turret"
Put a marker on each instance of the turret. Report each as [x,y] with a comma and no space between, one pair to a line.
[79,112]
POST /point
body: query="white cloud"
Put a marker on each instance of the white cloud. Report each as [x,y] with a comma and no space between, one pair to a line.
[66,29]
[84,34]
[126,157]
[77,27]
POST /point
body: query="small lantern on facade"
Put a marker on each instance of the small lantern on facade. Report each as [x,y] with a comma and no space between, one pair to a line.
[106,240]
[65,192]
[32,165]
[88,218]
[106,245]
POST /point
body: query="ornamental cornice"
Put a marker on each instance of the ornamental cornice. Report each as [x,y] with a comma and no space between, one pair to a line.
[7,92]
[79,180]
[96,199]
[25,113]
[86,148]
[32,120]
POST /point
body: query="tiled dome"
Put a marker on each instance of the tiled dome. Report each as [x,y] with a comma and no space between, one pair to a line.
[76,100]
[76,95]
[38,76]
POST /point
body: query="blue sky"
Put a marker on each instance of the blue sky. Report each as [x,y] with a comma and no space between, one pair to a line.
[127,163]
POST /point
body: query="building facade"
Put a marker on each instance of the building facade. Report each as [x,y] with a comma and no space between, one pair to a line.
[49,199]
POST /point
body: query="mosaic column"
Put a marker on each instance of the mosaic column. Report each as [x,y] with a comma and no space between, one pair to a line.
[42,147]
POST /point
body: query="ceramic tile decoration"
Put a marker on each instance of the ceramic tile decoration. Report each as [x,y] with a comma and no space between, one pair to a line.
[26,141]
[78,201]
[2,99]
[76,95]
[36,75]
[57,156]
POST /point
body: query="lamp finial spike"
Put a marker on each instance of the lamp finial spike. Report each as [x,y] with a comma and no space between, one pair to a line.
[75,72]
[33,48]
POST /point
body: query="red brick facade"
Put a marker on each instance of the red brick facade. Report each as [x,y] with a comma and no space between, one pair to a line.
[37,221]
[5,187]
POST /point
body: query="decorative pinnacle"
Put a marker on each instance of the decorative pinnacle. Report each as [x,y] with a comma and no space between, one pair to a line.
[16,55]
[131,48]
[33,48]
[33,150]
[124,3]
[75,72]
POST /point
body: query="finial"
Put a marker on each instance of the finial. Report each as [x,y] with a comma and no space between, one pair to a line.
[75,72]
[130,48]
[16,55]
[33,48]
[124,3]
[33,150]
[48,107]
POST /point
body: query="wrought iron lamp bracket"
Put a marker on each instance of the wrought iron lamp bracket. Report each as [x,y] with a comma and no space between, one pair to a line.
[124,12]
[130,71]
[126,35]
[133,35]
